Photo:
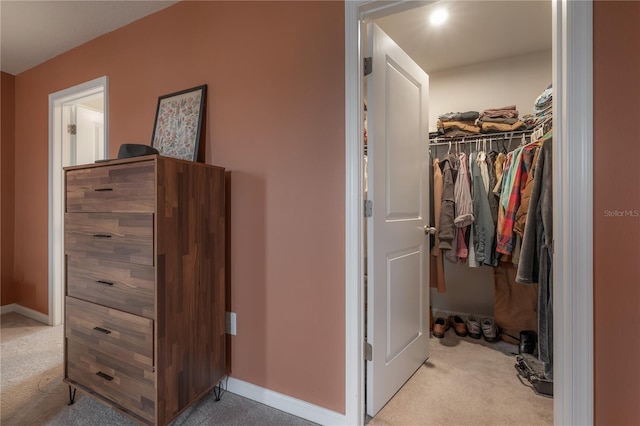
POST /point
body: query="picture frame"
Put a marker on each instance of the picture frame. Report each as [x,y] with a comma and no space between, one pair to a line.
[178,123]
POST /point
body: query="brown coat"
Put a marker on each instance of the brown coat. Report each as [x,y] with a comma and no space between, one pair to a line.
[437,257]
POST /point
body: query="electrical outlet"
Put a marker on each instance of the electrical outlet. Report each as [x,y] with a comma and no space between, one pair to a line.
[230,323]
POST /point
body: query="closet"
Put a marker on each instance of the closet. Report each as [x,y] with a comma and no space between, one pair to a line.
[513,77]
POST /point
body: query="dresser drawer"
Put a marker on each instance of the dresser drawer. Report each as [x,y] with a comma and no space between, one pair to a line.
[132,389]
[125,286]
[115,188]
[122,237]
[126,337]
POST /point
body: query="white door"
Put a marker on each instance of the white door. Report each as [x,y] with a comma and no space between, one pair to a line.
[89,135]
[397,247]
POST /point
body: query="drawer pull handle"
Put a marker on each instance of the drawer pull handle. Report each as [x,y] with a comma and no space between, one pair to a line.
[102,330]
[103,189]
[104,282]
[104,376]
[101,236]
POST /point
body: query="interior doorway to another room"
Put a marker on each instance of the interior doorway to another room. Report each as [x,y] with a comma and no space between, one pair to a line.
[368,11]
[78,134]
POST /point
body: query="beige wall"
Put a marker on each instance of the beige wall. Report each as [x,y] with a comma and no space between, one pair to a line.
[275,120]
[516,80]
[617,188]
[7,181]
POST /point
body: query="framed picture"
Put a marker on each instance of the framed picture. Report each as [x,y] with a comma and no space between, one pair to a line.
[178,123]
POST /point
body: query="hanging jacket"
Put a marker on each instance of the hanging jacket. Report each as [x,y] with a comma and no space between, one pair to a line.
[537,229]
[463,209]
[462,195]
[490,254]
[521,214]
[437,280]
[446,232]
[536,259]
[483,226]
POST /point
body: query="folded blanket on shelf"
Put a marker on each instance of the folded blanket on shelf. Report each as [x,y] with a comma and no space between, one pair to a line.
[468,126]
[501,127]
[505,112]
[503,120]
[460,116]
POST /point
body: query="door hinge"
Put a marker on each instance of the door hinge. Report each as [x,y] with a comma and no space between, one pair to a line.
[368,208]
[368,65]
[71,129]
[368,351]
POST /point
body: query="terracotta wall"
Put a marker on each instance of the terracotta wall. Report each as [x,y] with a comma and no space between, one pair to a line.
[275,119]
[7,153]
[617,211]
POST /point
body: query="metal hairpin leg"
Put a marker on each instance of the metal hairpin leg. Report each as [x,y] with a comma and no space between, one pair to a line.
[217,392]
[72,395]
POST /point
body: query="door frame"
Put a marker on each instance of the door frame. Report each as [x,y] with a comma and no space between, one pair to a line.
[572,197]
[56,185]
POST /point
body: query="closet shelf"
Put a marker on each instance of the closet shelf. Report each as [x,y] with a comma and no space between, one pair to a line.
[489,137]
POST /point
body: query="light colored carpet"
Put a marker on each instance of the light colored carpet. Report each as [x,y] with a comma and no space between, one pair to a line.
[33,393]
[464,382]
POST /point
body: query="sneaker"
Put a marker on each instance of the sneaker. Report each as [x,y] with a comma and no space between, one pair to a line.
[440,325]
[473,326]
[489,330]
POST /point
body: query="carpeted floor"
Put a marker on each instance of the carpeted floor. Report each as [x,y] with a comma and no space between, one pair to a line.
[464,382]
[33,392]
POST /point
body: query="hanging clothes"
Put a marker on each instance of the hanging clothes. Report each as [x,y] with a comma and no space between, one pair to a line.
[536,265]
[437,256]
[446,231]
[463,208]
[510,197]
[492,164]
[521,214]
[473,261]
[483,227]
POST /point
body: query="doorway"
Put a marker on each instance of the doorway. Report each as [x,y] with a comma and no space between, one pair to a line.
[78,134]
[572,39]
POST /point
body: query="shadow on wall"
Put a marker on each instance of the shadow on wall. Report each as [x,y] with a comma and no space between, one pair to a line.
[245,273]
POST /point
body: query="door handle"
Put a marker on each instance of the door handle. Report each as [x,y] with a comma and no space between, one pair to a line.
[429,230]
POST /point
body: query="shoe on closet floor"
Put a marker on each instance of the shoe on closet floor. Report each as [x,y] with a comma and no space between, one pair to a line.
[440,325]
[458,325]
[473,326]
[489,330]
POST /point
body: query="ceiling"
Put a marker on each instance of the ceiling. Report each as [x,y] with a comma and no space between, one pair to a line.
[476,31]
[32,32]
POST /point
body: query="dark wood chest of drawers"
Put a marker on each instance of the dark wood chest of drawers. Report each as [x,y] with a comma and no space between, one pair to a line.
[144,296]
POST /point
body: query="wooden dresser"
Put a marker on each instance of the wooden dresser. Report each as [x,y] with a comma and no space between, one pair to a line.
[144,296]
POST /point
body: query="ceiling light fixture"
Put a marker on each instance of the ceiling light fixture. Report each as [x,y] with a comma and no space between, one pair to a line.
[439,16]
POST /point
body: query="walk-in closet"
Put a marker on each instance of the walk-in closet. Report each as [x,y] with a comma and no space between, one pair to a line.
[488,155]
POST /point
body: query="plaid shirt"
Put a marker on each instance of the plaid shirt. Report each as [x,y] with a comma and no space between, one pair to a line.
[520,167]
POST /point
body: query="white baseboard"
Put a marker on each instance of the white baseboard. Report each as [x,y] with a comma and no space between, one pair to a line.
[444,313]
[27,312]
[7,308]
[286,403]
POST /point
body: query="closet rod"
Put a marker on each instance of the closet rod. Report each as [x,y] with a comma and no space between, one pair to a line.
[496,136]
[441,140]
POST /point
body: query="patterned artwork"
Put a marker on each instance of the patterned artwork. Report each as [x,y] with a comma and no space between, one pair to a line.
[178,122]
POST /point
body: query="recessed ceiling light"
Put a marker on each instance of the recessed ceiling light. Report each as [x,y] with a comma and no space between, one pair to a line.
[438,16]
